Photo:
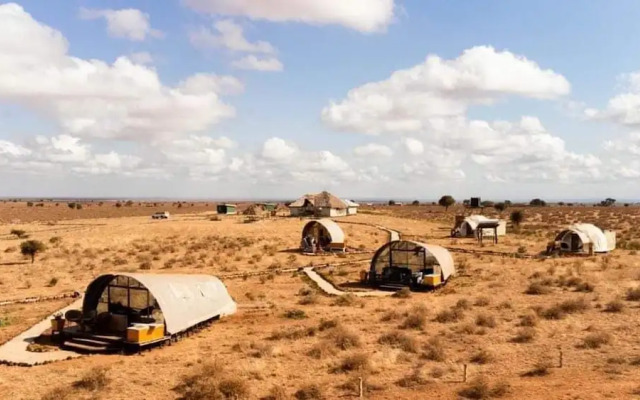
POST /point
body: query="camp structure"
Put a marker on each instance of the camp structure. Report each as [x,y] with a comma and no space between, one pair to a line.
[474,225]
[228,209]
[584,238]
[352,207]
[257,210]
[132,310]
[322,204]
[403,263]
[281,210]
[322,235]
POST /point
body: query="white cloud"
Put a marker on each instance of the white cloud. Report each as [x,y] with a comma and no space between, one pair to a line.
[277,149]
[11,149]
[90,98]
[624,108]
[362,15]
[199,84]
[230,36]
[437,88]
[128,23]
[373,149]
[253,63]
[413,146]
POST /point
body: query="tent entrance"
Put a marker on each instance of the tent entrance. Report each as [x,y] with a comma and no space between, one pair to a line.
[123,302]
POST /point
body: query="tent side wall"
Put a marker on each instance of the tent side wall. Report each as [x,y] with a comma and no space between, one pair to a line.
[611,240]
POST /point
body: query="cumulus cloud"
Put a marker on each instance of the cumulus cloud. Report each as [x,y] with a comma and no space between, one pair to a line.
[278,149]
[438,88]
[624,108]
[253,63]
[362,15]
[229,36]
[373,149]
[128,23]
[90,98]
[141,57]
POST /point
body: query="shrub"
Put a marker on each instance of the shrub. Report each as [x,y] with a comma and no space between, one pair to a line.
[537,288]
[53,281]
[59,393]
[234,388]
[345,339]
[146,265]
[309,392]
[295,314]
[596,340]
[345,300]
[524,335]
[480,389]
[481,357]
[326,324]
[354,362]
[29,203]
[446,201]
[31,248]
[95,379]
[415,320]
[482,301]
[21,234]
[293,333]
[484,320]
[277,393]
[541,368]
[559,311]
[633,294]
[55,240]
[528,320]
[434,350]
[452,315]
[403,293]
[614,306]
[321,350]
[517,217]
[399,340]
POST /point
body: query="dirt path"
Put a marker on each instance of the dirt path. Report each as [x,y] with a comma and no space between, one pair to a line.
[14,352]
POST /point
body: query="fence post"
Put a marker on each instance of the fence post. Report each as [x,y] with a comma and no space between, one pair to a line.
[560,357]
[361,389]
[464,377]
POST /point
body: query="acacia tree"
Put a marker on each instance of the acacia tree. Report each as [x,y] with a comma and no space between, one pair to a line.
[500,207]
[446,201]
[517,217]
[31,248]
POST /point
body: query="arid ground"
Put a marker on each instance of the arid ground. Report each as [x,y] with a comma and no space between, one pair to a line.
[509,318]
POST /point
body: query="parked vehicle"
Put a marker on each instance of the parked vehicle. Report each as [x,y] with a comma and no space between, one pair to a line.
[161,215]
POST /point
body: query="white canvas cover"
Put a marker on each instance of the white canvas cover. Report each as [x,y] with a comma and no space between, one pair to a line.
[470,224]
[442,255]
[336,233]
[185,300]
[590,233]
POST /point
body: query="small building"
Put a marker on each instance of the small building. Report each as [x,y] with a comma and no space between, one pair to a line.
[352,207]
[227,209]
[271,207]
[132,309]
[407,263]
[467,226]
[585,238]
[322,235]
[322,204]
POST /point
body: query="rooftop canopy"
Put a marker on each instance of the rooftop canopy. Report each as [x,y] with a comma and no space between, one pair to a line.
[185,300]
[413,255]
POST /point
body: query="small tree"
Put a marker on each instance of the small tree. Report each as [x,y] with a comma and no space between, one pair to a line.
[392,202]
[517,217]
[500,207]
[446,201]
[22,234]
[537,203]
[31,248]
[415,203]
[608,202]
[29,203]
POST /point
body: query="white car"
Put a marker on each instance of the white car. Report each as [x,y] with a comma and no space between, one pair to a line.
[161,215]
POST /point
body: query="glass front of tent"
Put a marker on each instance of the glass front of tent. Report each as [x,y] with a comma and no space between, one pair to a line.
[402,262]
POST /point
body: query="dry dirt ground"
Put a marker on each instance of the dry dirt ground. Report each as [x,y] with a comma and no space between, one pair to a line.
[507,318]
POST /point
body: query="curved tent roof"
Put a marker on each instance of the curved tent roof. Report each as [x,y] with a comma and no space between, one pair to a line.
[474,220]
[336,233]
[589,233]
[442,255]
[320,200]
[185,300]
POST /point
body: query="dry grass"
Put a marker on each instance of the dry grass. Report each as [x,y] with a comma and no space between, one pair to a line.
[95,379]
[524,335]
[399,340]
[354,362]
[596,340]
[309,392]
[481,389]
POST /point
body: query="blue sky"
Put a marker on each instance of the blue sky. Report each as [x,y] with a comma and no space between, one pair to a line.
[232,99]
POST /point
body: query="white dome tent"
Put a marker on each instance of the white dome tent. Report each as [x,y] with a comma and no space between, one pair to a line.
[579,238]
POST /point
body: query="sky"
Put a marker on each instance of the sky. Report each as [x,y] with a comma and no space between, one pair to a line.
[248,99]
